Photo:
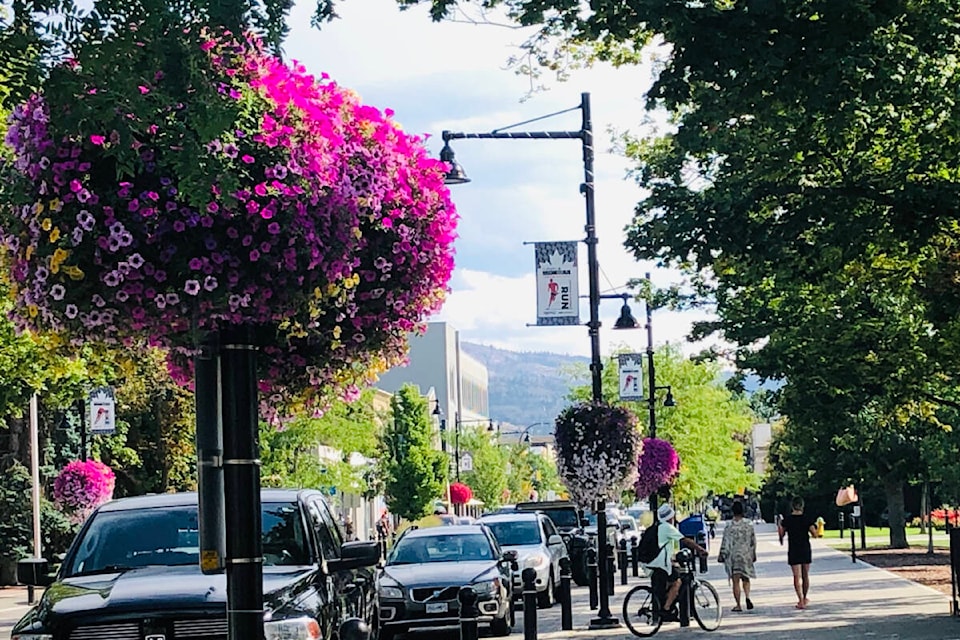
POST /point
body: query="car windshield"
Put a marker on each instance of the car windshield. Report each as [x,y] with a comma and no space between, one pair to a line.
[515,533]
[168,536]
[441,547]
[563,518]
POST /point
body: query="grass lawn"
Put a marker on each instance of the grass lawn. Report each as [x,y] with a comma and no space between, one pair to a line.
[880,537]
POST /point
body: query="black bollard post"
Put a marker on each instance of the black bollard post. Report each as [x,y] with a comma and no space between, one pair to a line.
[635,556]
[566,601]
[622,559]
[592,578]
[683,604]
[611,568]
[468,613]
[529,577]
[853,545]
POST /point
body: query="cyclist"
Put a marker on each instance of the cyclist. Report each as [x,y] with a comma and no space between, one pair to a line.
[666,579]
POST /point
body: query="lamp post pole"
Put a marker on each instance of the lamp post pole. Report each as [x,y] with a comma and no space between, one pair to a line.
[604,618]
[651,401]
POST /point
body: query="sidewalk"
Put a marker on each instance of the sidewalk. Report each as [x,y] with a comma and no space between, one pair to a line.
[13,604]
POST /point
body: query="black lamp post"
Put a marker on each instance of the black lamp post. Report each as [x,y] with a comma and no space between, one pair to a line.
[457,175]
[652,400]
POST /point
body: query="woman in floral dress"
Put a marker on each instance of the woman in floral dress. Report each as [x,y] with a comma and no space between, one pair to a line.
[738,552]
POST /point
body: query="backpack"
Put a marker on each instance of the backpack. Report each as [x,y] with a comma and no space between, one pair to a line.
[648,548]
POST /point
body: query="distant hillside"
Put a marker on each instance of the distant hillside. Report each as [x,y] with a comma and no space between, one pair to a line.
[527,387]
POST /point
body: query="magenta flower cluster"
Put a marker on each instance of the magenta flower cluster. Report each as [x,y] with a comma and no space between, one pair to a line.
[312,217]
[83,485]
[657,466]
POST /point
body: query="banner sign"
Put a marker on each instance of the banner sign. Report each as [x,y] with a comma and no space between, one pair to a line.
[466,461]
[631,376]
[102,412]
[558,294]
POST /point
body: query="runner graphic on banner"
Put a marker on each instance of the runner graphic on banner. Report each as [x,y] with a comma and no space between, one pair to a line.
[631,376]
[558,295]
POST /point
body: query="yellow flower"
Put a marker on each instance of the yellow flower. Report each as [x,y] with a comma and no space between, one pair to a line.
[74,272]
[57,259]
[37,208]
[332,289]
[32,310]
[46,224]
[337,330]
[317,293]
[55,204]
[357,233]
[55,234]
[30,250]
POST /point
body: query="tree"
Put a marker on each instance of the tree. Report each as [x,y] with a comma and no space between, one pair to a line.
[291,457]
[488,479]
[414,471]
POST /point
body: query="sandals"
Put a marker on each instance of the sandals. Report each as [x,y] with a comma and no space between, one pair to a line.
[749,604]
[737,609]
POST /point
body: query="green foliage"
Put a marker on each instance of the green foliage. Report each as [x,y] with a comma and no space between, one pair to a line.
[291,458]
[708,426]
[414,471]
[489,476]
[529,471]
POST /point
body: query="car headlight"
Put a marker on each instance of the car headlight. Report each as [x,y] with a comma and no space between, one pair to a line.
[487,587]
[394,593]
[32,636]
[537,561]
[305,628]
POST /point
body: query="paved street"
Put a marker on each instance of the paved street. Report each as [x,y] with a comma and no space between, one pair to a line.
[848,601]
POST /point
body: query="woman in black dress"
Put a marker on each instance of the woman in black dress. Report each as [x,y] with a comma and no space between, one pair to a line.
[798,527]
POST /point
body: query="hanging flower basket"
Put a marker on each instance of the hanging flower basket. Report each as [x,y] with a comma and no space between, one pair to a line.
[82,486]
[274,200]
[460,493]
[657,466]
[597,449]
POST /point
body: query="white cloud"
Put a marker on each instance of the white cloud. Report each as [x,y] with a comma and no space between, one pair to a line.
[451,76]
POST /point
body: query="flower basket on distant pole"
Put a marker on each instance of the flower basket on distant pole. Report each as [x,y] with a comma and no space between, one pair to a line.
[657,466]
[82,486]
[208,197]
[597,449]
[460,494]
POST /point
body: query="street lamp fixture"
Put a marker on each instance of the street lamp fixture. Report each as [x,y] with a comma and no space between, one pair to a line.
[456,175]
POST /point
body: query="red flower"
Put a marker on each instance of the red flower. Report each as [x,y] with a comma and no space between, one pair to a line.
[460,493]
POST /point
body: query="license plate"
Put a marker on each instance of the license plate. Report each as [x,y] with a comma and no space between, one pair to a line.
[436,607]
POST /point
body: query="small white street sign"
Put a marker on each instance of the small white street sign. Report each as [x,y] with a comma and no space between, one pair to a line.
[102,411]
[631,376]
[466,462]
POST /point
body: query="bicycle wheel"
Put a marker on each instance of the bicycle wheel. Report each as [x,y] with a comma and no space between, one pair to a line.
[641,611]
[706,606]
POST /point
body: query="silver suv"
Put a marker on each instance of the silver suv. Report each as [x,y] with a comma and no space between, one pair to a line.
[538,545]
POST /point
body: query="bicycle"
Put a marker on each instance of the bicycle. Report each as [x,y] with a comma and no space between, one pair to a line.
[642,607]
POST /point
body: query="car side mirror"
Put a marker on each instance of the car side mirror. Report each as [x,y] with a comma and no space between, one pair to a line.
[554,539]
[584,522]
[34,572]
[355,555]
[509,556]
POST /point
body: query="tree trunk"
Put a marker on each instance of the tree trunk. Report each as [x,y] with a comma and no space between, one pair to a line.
[893,488]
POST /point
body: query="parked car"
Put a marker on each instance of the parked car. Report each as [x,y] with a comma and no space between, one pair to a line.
[567,518]
[419,585]
[133,572]
[538,545]
[613,526]
[629,527]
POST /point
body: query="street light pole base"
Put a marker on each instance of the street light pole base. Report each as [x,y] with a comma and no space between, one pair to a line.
[604,623]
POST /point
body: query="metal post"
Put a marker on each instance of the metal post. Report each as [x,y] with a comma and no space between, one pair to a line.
[468,613]
[209,438]
[592,578]
[355,629]
[652,383]
[35,484]
[635,556]
[611,568]
[529,577]
[842,525]
[683,605]
[82,410]
[604,619]
[241,485]
[622,559]
[853,546]
[566,600]
[863,527]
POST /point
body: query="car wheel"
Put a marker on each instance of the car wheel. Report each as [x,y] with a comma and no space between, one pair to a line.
[545,597]
[502,626]
[386,634]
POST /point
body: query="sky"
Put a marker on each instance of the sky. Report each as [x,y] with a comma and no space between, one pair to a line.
[453,76]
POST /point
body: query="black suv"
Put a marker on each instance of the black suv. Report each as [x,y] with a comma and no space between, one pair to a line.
[133,572]
[569,522]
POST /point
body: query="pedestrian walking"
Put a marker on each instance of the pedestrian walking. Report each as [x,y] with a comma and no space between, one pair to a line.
[738,552]
[798,527]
